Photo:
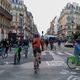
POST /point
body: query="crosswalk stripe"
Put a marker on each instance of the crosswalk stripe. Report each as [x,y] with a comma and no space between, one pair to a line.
[68,53]
[51,53]
[60,53]
[1,71]
[43,53]
[72,77]
[55,63]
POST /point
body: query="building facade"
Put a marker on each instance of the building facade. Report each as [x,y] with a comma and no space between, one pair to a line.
[5,19]
[18,13]
[69,20]
[53,27]
[22,22]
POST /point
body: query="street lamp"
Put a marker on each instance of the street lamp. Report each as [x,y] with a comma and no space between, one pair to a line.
[24,33]
[42,33]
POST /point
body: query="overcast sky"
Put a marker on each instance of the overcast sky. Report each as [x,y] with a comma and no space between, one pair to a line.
[44,11]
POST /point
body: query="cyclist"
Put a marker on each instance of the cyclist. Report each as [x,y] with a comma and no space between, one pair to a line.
[36,44]
[77,48]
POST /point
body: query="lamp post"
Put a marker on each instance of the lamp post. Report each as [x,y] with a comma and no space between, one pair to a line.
[24,33]
[42,33]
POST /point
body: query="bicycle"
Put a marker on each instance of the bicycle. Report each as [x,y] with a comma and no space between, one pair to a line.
[2,53]
[73,62]
[36,67]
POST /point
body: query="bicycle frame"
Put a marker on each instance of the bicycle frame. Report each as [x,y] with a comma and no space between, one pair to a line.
[36,66]
[73,60]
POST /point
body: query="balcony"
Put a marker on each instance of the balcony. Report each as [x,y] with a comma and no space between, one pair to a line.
[5,13]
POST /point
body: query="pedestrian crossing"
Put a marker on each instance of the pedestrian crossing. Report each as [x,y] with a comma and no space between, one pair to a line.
[47,55]
[45,52]
[57,53]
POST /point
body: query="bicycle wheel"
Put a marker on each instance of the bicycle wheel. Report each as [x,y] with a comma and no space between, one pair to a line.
[36,68]
[71,63]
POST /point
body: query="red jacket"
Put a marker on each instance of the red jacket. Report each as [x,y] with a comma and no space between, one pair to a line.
[36,42]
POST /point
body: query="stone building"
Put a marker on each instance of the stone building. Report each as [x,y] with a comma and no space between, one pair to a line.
[5,19]
[69,20]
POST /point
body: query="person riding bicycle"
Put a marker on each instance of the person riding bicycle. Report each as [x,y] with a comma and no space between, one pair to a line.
[77,48]
[36,44]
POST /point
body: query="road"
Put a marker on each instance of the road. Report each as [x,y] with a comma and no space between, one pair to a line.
[53,67]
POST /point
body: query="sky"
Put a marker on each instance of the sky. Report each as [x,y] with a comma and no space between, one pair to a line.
[44,11]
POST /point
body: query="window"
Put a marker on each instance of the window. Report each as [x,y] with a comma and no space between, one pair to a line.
[15,1]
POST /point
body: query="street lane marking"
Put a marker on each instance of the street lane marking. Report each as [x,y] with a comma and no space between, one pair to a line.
[68,53]
[72,77]
[1,71]
[43,53]
[6,62]
[64,71]
[47,63]
[55,63]
[60,53]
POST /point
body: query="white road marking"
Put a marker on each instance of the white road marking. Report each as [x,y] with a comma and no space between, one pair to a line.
[1,71]
[64,71]
[6,62]
[60,53]
[47,63]
[51,53]
[43,53]
[68,53]
[72,77]
[55,63]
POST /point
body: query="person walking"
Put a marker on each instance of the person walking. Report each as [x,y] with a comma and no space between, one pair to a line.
[59,42]
[77,48]
[25,47]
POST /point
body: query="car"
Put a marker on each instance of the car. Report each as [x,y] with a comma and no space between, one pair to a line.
[69,44]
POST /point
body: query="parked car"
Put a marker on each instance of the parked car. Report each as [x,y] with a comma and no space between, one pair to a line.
[69,44]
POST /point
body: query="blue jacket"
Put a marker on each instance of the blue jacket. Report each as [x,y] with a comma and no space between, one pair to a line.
[77,49]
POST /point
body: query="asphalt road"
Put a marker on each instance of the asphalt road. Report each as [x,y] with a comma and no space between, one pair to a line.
[53,67]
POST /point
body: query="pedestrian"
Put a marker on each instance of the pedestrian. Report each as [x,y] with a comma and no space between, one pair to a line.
[25,47]
[59,42]
[77,48]
[19,43]
[46,42]
[51,41]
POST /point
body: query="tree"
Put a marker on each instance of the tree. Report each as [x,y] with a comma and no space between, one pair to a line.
[76,34]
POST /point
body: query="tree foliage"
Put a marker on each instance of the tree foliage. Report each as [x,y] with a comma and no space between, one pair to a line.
[76,34]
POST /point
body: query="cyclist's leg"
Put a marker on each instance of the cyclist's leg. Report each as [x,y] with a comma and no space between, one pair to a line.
[39,55]
[35,56]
